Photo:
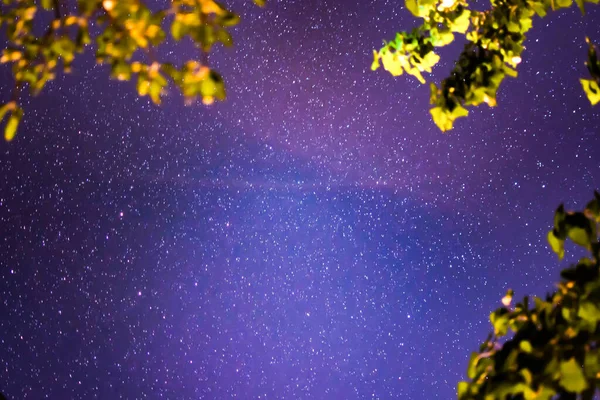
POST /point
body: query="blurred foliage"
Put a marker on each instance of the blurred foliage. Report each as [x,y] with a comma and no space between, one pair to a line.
[554,347]
[126,32]
[493,50]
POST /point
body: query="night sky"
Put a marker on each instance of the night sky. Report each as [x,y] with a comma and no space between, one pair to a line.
[313,237]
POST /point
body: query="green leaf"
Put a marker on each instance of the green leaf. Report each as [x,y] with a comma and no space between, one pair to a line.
[557,244]
[10,130]
[580,229]
[579,236]
[589,312]
[224,37]
[500,319]
[591,364]
[230,19]
[260,3]
[581,6]
[177,29]
[571,376]
[472,369]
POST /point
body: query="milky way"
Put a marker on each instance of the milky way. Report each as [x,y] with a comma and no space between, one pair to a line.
[313,237]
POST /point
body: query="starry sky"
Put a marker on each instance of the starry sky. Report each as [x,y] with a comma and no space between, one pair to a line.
[313,237]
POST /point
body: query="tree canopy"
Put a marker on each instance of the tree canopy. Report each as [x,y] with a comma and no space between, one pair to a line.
[553,351]
[126,33]
[540,349]
[495,43]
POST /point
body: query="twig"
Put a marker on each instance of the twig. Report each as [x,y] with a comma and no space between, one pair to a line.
[57,14]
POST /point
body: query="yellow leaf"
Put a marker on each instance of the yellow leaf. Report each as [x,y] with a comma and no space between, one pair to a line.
[375,64]
[571,376]
[391,63]
[13,123]
[557,245]
[592,90]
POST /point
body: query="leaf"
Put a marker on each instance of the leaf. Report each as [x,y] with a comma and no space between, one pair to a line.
[557,245]
[375,65]
[461,23]
[539,8]
[592,90]
[563,3]
[581,6]
[458,112]
[581,273]
[579,236]
[589,311]
[156,89]
[413,7]
[177,29]
[580,229]
[121,71]
[260,3]
[224,37]
[230,19]
[571,376]
[472,368]
[441,38]
[591,364]
[462,389]
[543,393]
[13,123]
[559,222]
[143,85]
[526,346]
[47,4]
[526,374]
[392,63]
[499,320]
[441,119]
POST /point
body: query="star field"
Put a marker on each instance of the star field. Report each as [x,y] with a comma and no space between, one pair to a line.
[312,237]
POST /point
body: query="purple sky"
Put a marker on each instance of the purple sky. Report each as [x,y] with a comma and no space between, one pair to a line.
[313,237]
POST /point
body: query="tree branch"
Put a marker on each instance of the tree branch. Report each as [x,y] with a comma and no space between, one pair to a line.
[57,14]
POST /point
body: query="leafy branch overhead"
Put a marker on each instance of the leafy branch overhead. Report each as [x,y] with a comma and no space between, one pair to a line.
[129,34]
[553,352]
[493,50]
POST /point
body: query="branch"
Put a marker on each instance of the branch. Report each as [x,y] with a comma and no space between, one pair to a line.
[57,14]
